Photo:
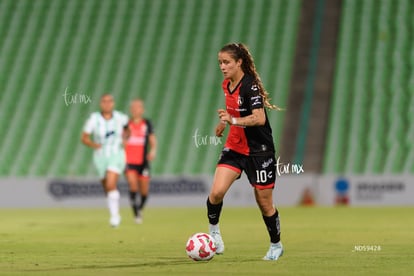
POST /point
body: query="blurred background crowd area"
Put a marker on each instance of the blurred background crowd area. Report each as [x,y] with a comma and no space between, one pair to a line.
[342,70]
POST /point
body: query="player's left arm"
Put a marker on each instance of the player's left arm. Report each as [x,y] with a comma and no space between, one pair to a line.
[257,118]
[152,140]
[126,133]
[256,105]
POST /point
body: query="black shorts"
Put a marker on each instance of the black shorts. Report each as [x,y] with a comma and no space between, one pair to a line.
[260,170]
[143,170]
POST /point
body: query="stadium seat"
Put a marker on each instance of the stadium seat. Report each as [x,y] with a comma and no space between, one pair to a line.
[375,75]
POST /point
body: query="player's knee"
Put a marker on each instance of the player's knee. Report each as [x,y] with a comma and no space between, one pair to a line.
[266,205]
[267,210]
[216,197]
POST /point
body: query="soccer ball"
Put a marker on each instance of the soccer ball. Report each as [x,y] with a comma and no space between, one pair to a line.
[200,247]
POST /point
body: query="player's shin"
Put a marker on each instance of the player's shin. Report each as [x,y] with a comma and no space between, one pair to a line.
[213,212]
[113,205]
[132,201]
[143,201]
[273,227]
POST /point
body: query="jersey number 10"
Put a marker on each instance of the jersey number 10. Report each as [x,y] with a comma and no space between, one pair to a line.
[262,176]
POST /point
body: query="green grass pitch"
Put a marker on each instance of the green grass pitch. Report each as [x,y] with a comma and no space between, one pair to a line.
[317,241]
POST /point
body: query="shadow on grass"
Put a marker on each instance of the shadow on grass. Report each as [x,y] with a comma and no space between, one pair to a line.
[159,262]
[162,261]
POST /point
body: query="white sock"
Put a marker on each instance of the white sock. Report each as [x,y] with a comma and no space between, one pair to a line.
[113,202]
[214,228]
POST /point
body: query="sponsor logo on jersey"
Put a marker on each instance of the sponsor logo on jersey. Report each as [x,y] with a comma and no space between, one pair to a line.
[109,133]
[256,100]
[136,141]
[240,100]
[267,163]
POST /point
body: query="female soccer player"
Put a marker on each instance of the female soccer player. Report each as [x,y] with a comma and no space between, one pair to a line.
[137,171]
[249,146]
[107,128]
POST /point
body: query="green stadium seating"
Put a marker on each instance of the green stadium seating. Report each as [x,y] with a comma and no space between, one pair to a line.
[164,52]
[374,75]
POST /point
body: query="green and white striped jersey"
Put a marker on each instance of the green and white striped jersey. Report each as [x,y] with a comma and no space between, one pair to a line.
[108,133]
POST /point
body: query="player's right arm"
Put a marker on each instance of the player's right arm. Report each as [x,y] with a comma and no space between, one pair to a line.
[220,128]
[86,140]
[86,134]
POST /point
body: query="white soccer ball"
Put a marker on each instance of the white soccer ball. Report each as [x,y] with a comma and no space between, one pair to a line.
[200,247]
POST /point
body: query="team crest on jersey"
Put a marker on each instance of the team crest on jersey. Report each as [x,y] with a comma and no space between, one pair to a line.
[240,101]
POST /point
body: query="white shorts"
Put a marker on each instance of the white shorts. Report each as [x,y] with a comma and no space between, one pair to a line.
[114,163]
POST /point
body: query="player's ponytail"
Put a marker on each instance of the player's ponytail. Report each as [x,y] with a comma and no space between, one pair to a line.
[240,51]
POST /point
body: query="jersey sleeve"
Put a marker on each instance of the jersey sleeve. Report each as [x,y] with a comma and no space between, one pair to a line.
[255,98]
[89,124]
[150,127]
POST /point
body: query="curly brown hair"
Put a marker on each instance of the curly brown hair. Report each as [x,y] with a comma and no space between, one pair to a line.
[240,51]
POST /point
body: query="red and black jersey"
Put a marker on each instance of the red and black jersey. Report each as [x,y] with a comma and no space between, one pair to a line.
[255,140]
[137,143]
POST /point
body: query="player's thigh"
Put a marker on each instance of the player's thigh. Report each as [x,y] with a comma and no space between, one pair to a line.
[131,175]
[261,171]
[101,164]
[116,162]
[143,183]
[144,179]
[223,178]
[116,165]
